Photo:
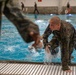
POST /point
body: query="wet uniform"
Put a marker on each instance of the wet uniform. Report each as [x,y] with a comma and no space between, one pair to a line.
[12,11]
[65,38]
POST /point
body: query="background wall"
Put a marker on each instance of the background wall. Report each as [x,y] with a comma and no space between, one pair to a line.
[40,4]
[46,3]
[48,6]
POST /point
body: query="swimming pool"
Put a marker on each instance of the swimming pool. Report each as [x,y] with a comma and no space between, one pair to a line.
[12,47]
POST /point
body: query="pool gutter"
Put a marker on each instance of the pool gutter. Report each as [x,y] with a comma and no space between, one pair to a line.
[26,62]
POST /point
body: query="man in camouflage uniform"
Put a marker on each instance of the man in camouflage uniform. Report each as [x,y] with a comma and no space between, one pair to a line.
[24,26]
[64,36]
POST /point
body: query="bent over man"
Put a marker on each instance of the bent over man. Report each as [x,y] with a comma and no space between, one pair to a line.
[64,36]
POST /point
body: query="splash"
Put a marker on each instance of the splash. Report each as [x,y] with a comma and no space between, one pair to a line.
[49,55]
[9,48]
[33,51]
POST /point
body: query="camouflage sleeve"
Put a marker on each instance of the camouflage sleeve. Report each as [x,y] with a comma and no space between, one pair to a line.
[18,18]
[68,33]
[46,35]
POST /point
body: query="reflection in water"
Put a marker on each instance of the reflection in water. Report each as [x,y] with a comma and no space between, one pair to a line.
[68,17]
[35,16]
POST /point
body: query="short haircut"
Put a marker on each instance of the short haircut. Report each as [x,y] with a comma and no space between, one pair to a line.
[55,20]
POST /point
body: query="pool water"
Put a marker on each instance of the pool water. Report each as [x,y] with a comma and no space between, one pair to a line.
[12,46]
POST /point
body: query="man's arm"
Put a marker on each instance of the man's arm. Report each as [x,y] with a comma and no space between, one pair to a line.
[46,35]
[65,46]
[65,54]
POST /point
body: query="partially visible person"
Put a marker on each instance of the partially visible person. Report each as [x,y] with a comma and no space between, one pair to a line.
[15,15]
[37,44]
[68,8]
[37,38]
[36,9]
[64,36]
[22,6]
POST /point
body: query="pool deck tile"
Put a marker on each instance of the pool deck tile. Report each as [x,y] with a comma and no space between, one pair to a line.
[33,69]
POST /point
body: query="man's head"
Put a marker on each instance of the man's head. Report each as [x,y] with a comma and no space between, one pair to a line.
[34,2]
[68,5]
[55,23]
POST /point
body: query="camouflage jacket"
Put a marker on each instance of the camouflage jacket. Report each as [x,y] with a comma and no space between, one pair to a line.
[65,35]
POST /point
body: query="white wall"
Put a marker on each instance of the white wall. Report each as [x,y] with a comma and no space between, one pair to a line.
[72,2]
[46,3]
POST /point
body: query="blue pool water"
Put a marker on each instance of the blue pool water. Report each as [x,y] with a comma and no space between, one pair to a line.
[12,46]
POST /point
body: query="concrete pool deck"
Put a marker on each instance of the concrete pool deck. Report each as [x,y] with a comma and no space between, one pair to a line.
[10,68]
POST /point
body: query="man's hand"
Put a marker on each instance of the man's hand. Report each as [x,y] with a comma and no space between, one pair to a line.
[68,71]
[47,48]
[38,45]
